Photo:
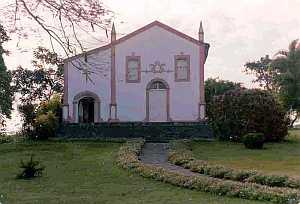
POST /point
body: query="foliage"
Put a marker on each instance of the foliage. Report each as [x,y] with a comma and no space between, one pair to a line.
[28,113]
[68,165]
[45,125]
[239,112]
[6,92]
[54,105]
[182,156]
[47,118]
[215,87]
[41,122]
[254,140]
[30,169]
[69,23]
[41,82]
[281,76]
[128,159]
[288,65]
[264,73]
[4,138]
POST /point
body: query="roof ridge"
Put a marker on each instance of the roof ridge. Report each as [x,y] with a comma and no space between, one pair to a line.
[138,31]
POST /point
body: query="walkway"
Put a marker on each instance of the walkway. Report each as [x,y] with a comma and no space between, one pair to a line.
[157,154]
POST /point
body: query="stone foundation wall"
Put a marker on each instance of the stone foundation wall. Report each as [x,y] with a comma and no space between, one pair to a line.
[149,131]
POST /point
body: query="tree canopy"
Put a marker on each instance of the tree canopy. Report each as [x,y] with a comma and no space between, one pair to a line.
[66,22]
[6,92]
[41,82]
[288,79]
[281,76]
[264,73]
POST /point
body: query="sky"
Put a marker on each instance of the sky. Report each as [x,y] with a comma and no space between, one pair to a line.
[237,30]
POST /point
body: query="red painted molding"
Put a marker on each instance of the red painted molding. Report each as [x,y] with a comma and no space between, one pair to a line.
[130,35]
[147,119]
[66,94]
[138,58]
[184,57]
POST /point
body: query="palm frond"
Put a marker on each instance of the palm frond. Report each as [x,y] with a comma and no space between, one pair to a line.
[282,52]
[293,44]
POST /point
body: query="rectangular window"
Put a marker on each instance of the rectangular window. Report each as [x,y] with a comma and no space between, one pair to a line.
[133,69]
[182,68]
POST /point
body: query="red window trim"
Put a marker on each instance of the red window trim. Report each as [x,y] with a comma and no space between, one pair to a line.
[138,58]
[186,57]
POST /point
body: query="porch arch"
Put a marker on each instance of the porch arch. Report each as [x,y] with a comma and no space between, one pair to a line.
[96,107]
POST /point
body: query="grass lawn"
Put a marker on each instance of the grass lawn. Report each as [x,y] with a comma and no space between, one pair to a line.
[277,158]
[85,172]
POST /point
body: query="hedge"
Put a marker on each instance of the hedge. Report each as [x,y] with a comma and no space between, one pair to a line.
[128,159]
[181,155]
[241,111]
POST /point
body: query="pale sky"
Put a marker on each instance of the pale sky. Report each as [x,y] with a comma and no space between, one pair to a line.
[237,30]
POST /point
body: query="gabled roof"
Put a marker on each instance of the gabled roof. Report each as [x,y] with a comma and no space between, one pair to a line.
[146,27]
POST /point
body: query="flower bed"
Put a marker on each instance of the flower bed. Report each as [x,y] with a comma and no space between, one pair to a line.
[181,155]
[128,159]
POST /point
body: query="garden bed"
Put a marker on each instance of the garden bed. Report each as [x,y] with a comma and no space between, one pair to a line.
[128,159]
[181,155]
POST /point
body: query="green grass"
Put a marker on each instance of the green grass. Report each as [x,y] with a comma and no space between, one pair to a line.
[85,172]
[276,158]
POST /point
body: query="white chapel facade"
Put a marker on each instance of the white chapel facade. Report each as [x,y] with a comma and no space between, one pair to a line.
[154,74]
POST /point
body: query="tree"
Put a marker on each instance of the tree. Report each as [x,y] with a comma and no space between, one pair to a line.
[281,76]
[6,92]
[41,82]
[215,87]
[287,63]
[64,21]
[264,73]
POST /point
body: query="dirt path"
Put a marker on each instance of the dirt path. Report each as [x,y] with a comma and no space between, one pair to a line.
[157,154]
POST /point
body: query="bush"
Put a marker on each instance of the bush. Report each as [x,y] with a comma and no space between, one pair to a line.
[128,159]
[28,113]
[238,112]
[41,122]
[54,105]
[45,125]
[30,169]
[4,138]
[221,172]
[254,140]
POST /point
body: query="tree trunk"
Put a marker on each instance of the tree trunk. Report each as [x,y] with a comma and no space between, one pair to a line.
[294,120]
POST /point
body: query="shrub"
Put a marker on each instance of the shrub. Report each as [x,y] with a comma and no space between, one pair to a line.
[128,159]
[30,169]
[238,112]
[28,112]
[215,87]
[41,122]
[4,138]
[221,172]
[45,125]
[254,140]
[53,105]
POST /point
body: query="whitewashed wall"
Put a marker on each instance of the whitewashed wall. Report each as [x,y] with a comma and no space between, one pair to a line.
[157,44]
[100,85]
[154,44]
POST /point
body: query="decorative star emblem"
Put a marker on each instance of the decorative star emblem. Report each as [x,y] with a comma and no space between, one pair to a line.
[157,67]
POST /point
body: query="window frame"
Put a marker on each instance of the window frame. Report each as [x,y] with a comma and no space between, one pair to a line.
[188,59]
[138,59]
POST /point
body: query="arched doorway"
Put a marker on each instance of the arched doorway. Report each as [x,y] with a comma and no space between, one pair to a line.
[86,110]
[157,101]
